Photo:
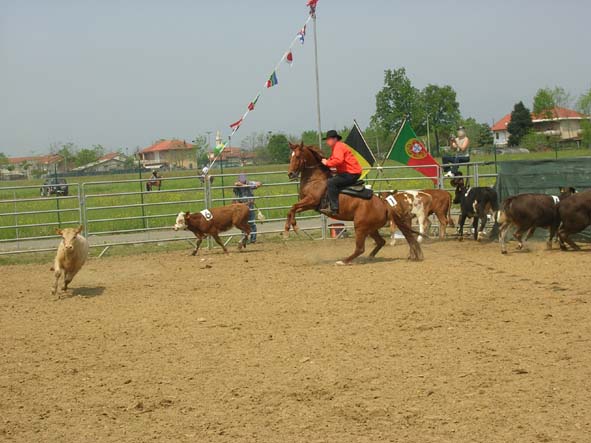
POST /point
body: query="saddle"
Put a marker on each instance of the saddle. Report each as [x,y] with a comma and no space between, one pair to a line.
[357,190]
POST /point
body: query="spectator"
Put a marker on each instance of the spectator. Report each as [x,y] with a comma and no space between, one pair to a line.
[460,148]
[244,193]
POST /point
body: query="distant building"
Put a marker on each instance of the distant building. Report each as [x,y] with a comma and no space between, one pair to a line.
[43,163]
[112,162]
[558,122]
[169,153]
[235,157]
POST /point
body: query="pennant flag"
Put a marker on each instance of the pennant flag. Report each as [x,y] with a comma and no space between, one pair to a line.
[289,57]
[252,104]
[236,125]
[409,150]
[302,35]
[360,149]
[219,148]
[272,80]
[312,5]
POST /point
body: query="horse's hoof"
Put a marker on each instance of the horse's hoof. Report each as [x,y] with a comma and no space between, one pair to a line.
[504,252]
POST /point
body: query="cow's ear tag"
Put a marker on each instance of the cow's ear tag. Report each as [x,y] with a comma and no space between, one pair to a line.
[392,201]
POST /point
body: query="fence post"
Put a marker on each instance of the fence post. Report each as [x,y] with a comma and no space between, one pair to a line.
[476,177]
[82,205]
[440,183]
[323,224]
[208,199]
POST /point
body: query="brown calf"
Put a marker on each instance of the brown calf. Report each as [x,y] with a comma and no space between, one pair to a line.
[575,216]
[215,221]
[441,207]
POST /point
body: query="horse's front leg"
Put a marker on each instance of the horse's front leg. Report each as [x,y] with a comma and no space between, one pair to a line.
[303,205]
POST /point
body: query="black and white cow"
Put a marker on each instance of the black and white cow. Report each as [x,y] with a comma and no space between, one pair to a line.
[475,203]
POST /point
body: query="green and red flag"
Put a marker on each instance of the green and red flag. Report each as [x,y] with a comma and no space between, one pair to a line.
[409,150]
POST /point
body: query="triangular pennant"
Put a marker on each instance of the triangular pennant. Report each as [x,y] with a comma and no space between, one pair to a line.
[273,81]
[253,103]
[236,125]
[289,57]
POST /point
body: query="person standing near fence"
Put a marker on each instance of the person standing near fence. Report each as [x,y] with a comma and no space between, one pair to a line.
[244,193]
[460,147]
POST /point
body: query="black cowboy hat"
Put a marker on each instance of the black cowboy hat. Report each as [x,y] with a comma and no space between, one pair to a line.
[332,134]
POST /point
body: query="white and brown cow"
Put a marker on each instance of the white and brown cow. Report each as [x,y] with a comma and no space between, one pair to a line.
[413,204]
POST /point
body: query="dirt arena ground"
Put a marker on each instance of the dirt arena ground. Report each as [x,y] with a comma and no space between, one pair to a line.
[279,345]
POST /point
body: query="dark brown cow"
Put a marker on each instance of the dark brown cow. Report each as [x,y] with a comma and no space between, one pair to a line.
[441,207]
[215,221]
[575,216]
[527,212]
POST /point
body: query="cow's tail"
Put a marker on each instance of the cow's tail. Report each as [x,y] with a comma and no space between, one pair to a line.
[416,253]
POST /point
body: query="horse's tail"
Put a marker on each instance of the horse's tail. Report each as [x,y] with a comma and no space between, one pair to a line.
[450,220]
[416,253]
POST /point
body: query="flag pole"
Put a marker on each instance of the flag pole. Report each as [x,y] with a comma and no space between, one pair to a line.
[313,13]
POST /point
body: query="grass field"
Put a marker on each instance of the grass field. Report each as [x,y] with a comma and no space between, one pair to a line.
[116,203]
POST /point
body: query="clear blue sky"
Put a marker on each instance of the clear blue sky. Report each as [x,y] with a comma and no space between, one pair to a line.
[125,73]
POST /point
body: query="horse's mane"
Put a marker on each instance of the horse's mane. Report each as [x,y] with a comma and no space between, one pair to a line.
[317,153]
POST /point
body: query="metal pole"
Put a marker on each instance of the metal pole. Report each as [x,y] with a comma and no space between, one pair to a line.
[317,79]
[139,168]
[57,199]
[222,170]
[428,136]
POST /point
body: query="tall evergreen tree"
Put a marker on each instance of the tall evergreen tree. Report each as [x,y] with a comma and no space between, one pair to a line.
[520,124]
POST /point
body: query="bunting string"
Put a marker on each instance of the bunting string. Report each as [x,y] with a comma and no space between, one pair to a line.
[272,81]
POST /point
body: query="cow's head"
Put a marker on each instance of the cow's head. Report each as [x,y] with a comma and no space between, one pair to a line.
[458,183]
[566,192]
[181,221]
[69,237]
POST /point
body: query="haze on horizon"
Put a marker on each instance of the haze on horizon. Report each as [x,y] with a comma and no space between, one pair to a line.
[126,73]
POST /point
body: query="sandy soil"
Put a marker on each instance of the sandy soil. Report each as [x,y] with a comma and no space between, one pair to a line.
[279,345]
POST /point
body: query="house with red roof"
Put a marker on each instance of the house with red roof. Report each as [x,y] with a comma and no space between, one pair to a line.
[44,163]
[169,153]
[558,122]
[234,157]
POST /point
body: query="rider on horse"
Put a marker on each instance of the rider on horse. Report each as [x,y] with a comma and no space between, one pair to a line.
[348,170]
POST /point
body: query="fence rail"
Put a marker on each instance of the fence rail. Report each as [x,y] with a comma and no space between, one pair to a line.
[123,212]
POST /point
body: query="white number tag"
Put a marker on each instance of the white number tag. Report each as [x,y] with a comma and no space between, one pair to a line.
[392,201]
[207,215]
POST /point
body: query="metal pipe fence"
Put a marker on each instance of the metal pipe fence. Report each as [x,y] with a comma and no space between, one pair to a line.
[123,212]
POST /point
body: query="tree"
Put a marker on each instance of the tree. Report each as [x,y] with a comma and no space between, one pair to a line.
[199,151]
[544,102]
[67,151]
[485,135]
[584,103]
[586,133]
[397,100]
[520,124]
[442,108]
[3,159]
[310,138]
[561,97]
[278,148]
[546,99]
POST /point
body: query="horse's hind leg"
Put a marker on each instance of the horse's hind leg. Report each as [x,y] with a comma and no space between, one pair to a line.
[380,242]
[360,237]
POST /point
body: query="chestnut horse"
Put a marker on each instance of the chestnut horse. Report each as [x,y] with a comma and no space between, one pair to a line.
[368,215]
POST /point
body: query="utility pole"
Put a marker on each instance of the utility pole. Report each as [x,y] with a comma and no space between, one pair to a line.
[317,79]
